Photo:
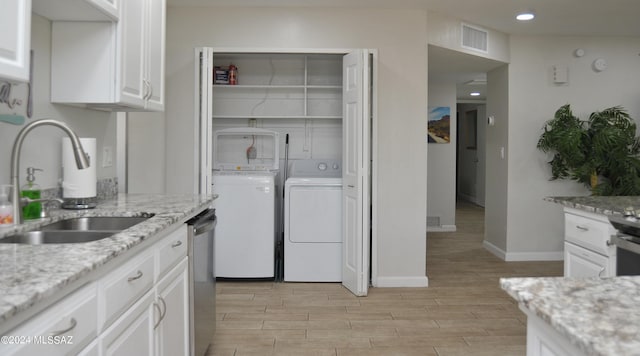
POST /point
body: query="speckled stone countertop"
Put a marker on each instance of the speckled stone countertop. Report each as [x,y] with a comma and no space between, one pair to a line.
[598,316]
[605,205]
[32,273]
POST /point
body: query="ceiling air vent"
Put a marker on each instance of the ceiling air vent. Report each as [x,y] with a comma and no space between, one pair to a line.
[474,38]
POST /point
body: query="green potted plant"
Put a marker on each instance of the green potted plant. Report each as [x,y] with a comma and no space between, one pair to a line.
[602,152]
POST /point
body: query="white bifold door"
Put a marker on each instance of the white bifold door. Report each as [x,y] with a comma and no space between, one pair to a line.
[356,78]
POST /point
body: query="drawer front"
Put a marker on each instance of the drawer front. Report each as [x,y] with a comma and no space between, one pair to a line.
[124,286]
[171,250]
[591,234]
[63,329]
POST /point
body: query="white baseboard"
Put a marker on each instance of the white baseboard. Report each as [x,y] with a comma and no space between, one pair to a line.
[394,282]
[522,256]
[498,252]
[442,228]
[534,256]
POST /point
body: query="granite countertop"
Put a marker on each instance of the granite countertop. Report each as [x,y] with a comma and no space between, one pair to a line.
[598,316]
[32,273]
[606,205]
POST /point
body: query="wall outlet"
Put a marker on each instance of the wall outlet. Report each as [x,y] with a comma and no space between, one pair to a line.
[107,156]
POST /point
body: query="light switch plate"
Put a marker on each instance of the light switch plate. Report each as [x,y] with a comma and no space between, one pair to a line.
[107,156]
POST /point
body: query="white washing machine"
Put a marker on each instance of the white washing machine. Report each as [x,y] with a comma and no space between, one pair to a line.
[245,208]
[313,222]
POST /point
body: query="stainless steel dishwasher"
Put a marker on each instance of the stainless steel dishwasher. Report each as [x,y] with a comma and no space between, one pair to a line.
[202,282]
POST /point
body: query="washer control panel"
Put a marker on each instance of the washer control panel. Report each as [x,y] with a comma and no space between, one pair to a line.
[316,168]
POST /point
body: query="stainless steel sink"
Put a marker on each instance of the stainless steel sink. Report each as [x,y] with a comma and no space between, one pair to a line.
[56,237]
[97,223]
[76,230]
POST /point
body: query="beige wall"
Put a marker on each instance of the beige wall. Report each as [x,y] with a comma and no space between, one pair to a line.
[534,226]
[398,35]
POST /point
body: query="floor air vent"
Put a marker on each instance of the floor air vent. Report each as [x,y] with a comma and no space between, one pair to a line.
[474,38]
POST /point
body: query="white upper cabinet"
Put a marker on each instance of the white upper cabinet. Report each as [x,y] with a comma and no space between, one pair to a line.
[15,42]
[112,66]
[77,10]
[141,33]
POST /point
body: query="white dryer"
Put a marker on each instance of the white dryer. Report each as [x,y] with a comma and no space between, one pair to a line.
[313,222]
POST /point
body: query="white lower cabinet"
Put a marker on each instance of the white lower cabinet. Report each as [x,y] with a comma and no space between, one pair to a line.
[172,331]
[158,323]
[65,328]
[92,350]
[140,308]
[580,262]
[588,251]
[543,340]
[132,334]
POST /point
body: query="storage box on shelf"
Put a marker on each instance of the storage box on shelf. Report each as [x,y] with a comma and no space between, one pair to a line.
[588,250]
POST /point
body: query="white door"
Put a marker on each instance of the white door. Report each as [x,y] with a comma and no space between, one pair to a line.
[203,148]
[355,171]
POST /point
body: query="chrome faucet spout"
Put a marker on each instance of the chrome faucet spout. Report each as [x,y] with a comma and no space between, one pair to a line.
[82,161]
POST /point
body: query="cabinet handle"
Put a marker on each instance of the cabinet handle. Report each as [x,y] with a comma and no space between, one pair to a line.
[351,186]
[582,228]
[176,244]
[157,306]
[161,313]
[164,306]
[137,276]
[64,331]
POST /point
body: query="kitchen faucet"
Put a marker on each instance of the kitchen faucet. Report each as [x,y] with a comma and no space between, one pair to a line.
[82,161]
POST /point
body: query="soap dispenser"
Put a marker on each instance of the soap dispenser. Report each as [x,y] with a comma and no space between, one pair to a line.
[6,209]
[32,191]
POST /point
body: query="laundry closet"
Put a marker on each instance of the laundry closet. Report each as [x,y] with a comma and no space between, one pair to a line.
[295,100]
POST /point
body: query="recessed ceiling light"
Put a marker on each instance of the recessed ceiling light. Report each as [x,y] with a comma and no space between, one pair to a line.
[475,93]
[525,16]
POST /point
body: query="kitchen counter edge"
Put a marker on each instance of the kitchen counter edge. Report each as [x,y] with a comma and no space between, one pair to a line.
[600,316]
[605,205]
[32,277]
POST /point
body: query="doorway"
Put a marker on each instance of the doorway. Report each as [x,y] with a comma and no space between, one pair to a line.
[471,153]
[458,80]
[302,95]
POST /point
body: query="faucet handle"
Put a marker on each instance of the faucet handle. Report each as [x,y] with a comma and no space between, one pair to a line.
[44,213]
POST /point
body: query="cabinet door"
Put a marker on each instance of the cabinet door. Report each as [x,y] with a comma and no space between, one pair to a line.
[131,47]
[15,25]
[132,334]
[172,332]
[580,262]
[155,54]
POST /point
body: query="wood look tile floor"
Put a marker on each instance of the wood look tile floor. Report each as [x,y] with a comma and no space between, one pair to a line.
[462,312]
